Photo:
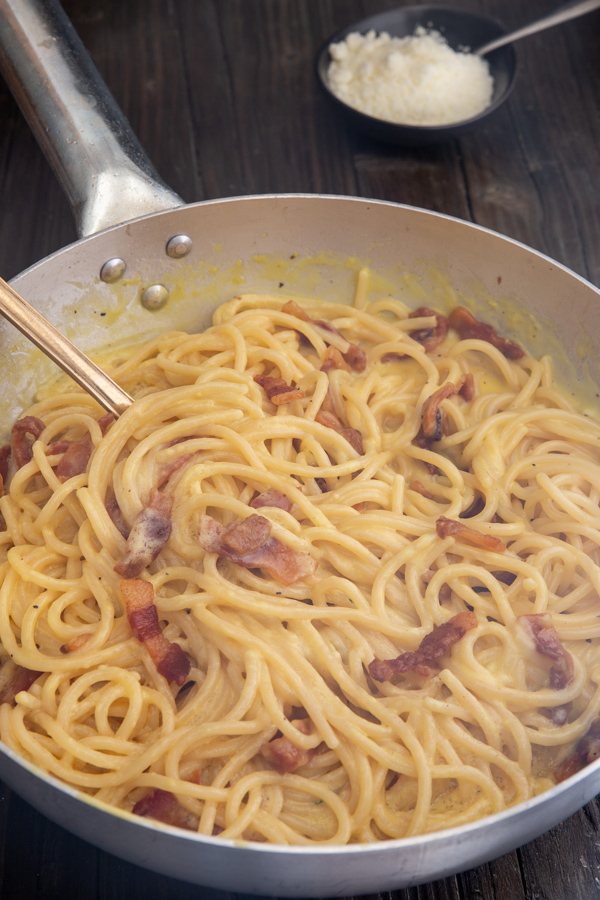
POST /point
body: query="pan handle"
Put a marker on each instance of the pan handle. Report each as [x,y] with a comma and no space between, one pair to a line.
[107,177]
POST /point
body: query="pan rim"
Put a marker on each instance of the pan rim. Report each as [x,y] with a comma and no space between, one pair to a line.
[249,198]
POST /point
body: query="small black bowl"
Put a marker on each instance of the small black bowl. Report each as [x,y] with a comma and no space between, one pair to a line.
[460,29]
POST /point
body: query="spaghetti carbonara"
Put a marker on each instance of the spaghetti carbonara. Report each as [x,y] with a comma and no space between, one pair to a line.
[332,578]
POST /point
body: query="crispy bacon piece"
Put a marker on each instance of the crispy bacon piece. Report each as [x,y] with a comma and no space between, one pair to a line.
[75,459]
[283,563]
[587,749]
[277,390]
[247,536]
[327,404]
[432,647]
[352,355]
[420,488]
[463,321]
[283,755]
[21,445]
[114,511]
[429,337]
[356,358]
[333,359]
[169,469]
[165,807]
[354,437]
[548,643]
[4,461]
[173,465]
[15,679]
[169,658]
[446,527]
[424,444]
[467,387]
[149,533]
[328,420]
[291,308]
[272,497]
[76,454]
[431,416]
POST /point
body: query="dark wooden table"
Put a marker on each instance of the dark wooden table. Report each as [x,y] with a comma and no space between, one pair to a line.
[222,94]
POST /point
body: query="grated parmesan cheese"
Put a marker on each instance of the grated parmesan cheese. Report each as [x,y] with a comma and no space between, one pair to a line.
[416,80]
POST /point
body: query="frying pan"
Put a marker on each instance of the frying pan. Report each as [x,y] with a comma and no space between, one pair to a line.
[124,212]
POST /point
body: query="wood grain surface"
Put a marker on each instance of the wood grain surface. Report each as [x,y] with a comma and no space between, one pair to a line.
[223,95]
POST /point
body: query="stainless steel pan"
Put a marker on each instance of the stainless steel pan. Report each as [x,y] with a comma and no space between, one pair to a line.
[245,244]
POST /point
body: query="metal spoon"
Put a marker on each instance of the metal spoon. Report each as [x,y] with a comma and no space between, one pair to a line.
[562,14]
[60,349]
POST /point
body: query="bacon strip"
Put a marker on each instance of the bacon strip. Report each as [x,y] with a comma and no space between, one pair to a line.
[432,647]
[354,437]
[291,308]
[277,390]
[19,679]
[76,454]
[424,444]
[463,321]
[22,447]
[169,469]
[328,420]
[4,461]
[272,497]
[114,511]
[165,807]
[587,749]
[168,657]
[431,416]
[420,488]
[429,337]
[352,355]
[149,534]
[333,359]
[467,387]
[356,358]
[247,536]
[283,755]
[547,642]
[283,563]
[446,527]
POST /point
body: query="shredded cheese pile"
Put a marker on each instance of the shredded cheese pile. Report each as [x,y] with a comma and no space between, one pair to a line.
[417,80]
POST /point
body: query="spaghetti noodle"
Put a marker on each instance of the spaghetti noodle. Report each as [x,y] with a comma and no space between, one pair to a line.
[356,585]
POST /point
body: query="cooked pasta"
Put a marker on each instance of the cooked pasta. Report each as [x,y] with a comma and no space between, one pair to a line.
[356,584]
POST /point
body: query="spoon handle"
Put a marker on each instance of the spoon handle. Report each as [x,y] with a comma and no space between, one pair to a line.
[55,345]
[562,14]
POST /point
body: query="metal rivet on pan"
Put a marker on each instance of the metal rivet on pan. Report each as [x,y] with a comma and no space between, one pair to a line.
[179,245]
[113,269]
[155,297]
